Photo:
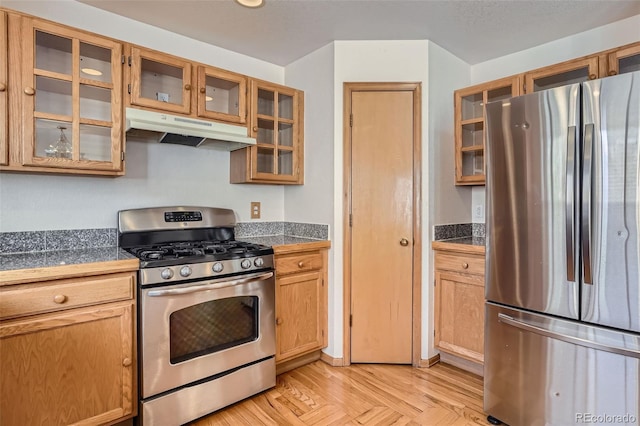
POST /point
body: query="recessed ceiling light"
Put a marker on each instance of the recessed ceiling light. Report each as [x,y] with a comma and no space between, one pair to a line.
[251,3]
[91,71]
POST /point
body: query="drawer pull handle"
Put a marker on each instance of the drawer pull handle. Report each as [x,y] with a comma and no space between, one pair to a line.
[465,265]
[59,298]
[613,72]
[278,321]
[126,362]
[301,264]
[187,87]
[592,76]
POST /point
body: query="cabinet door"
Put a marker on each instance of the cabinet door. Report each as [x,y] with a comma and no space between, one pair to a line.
[159,81]
[626,59]
[276,124]
[299,314]
[469,126]
[222,95]
[67,368]
[72,109]
[459,323]
[4,106]
[576,71]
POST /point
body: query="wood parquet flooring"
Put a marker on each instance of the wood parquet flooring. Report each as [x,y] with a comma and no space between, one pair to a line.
[362,394]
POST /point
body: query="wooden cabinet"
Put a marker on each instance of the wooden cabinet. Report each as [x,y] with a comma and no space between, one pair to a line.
[301,303]
[622,60]
[67,352]
[168,83]
[70,95]
[276,121]
[469,126]
[4,97]
[459,301]
[574,71]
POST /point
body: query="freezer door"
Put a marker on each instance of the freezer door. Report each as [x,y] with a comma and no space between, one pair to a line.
[532,259]
[611,202]
[540,370]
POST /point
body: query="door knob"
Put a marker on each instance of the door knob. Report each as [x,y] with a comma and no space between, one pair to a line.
[404,242]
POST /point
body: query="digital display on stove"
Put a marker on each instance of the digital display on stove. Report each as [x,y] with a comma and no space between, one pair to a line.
[183,216]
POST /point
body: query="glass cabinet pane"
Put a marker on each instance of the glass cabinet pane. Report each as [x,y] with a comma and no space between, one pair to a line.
[53,53]
[265,102]
[285,134]
[499,94]
[629,64]
[95,103]
[285,162]
[472,163]
[265,131]
[472,134]
[562,79]
[472,106]
[53,139]
[95,143]
[265,160]
[95,63]
[285,106]
[53,96]
[222,95]
[161,82]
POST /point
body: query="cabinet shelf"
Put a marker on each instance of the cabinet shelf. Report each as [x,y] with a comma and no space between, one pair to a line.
[479,120]
[475,148]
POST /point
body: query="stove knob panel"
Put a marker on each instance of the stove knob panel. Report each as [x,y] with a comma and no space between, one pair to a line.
[258,262]
[246,264]
[217,267]
[185,271]
[166,274]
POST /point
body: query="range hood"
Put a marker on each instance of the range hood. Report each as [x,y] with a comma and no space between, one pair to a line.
[188,131]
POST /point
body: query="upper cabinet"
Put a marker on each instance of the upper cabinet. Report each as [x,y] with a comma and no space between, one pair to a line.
[163,82]
[4,97]
[576,71]
[469,126]
[623,60]
[276,121]
[70,95]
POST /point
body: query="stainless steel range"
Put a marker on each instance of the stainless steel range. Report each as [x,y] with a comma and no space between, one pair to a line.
[206,328]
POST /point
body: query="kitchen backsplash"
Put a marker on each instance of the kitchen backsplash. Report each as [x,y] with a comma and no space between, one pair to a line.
[30,241]
[458,230]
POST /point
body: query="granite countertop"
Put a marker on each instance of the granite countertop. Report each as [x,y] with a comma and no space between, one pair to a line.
[473,245]
[474,241]
[287,243]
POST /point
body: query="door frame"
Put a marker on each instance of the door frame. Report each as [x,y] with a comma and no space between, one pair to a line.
[416,89]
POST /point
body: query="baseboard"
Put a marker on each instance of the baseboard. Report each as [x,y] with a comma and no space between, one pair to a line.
[289,365]
[465,364]
[426,363]
[334,362]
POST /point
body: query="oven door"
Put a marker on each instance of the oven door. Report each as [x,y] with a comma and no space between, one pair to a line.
[193,331]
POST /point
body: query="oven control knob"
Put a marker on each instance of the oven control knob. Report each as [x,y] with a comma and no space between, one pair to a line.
[166,274]
[258,262]
[246,264]
[217,267]
[185,271]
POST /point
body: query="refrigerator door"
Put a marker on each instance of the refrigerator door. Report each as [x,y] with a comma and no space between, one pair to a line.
[541,370]
[532,258]
[611,202]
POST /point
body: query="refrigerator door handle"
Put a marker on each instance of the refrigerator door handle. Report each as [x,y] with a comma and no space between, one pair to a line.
[570,200]
[586,202]
[506,319]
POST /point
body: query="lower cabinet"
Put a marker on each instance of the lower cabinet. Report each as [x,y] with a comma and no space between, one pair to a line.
[71,365]
[301,304]
[459,304]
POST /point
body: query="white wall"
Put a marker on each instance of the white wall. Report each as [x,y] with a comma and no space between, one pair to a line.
[155,174]
[598,39]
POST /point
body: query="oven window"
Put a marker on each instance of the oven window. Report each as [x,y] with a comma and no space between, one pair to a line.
[212,326]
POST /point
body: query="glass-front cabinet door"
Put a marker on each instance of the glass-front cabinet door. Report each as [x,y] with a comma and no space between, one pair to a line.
[4,110]
[72,85]
[159,81]
[570,72]
[222,95]
[275,125]
[624,60]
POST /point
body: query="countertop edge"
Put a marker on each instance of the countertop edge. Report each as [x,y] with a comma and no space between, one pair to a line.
[461,248]
[298,247]
[45,273]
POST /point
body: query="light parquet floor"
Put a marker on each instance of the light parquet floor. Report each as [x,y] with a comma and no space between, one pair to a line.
[362,394]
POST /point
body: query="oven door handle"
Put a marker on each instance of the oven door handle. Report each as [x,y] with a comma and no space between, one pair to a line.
[211,285]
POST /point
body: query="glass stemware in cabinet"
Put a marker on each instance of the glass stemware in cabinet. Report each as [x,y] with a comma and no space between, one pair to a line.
[61,148]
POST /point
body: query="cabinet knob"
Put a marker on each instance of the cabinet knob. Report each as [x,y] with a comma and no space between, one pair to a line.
[465,265]
[29,91]
[612,72]
[187,87]
[126,362]
[278,321]
[59,298]
[203,90]
[592,76]
[255,128]
[3,87]
[404,242]
[301,264]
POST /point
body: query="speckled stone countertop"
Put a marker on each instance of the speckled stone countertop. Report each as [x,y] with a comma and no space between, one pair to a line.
[288,243]
[474,241]
[44,259]
[464,244]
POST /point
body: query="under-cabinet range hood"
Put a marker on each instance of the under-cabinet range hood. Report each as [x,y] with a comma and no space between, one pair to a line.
[187,131]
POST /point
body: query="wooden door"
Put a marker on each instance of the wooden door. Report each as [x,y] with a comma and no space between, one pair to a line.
[382,225]
[4,92]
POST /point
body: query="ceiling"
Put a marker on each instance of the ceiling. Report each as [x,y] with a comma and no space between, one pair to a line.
[282,31]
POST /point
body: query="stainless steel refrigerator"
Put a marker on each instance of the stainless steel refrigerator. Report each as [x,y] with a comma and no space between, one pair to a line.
[562,332]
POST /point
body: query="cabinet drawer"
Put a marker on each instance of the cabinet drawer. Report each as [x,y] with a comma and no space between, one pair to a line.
[460,263]
[48,296]
[298,263]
